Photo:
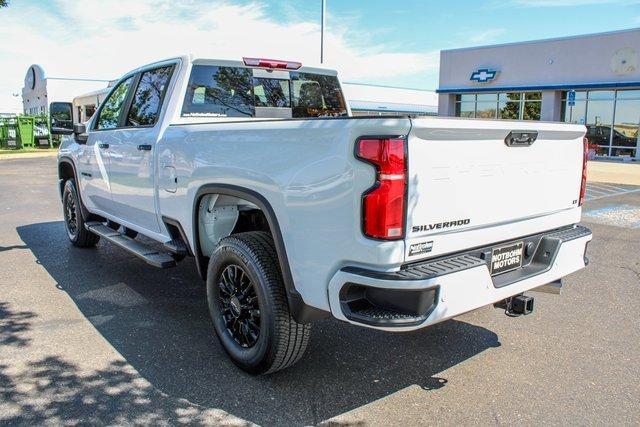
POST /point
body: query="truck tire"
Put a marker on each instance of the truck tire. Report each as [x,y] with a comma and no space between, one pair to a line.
[73,219]
[248,305]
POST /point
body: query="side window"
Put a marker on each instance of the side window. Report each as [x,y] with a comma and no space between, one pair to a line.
[147,98]
[112,107]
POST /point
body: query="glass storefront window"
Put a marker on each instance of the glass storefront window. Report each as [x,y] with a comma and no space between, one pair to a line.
[512,96]
[600,113]
[509,110]
[612,119]
[599,134]
[601,94]
[631,152]
[465,109]
[487,97]
[628,94]
[581,95]
[486,109]
[531,110]
[505,105]
[599,122]
[627,123]
[576,114]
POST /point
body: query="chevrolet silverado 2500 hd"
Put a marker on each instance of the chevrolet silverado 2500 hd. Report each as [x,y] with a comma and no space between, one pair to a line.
[294,210]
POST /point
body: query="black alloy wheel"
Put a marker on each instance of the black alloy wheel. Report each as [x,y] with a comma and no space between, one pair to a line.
[74,220]
[239,306]
[71,217]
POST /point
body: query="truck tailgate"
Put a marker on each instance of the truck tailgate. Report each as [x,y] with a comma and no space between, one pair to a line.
[468,187]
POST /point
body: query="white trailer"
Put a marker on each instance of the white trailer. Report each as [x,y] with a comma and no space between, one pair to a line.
[86,104]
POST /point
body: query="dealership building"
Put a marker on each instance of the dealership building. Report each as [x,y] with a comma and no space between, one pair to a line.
[592,80]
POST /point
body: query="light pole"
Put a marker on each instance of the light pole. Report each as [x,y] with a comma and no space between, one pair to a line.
[323,18]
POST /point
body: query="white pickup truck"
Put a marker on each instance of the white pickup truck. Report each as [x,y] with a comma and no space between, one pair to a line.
[294,210]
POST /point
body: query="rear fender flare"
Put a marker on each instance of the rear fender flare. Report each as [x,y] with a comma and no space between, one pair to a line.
[299,310]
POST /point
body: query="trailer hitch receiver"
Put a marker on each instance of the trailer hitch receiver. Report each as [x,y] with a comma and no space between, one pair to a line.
[518,305]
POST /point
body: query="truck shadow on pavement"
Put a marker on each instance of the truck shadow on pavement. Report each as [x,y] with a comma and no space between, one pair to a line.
[158,321]
[52,390]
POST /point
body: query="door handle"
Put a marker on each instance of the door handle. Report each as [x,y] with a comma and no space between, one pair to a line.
[103,145]
[144,147]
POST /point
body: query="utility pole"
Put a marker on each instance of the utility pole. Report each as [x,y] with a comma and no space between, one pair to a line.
[323,18]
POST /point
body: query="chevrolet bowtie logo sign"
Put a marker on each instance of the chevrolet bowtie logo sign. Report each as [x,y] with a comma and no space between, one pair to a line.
[483,75]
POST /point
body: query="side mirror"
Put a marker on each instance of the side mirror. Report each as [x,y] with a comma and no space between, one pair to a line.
[55,130]
[80,133]
[61,118]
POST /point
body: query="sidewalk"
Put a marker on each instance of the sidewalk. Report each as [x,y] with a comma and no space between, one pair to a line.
[613,172]
[8,154]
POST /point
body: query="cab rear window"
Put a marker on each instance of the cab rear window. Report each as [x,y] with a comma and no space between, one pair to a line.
[233,92]
[272,93]
[219,92]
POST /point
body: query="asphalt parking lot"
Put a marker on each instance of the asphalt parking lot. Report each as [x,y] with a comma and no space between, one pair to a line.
[94,336]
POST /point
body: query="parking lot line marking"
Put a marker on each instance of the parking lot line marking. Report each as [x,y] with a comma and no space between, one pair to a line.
[624,188]
[594,190]
[614,194]
[602,189]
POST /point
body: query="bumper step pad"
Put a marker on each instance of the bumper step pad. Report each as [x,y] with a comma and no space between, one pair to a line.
[570,234]
[377,315]
[424,270]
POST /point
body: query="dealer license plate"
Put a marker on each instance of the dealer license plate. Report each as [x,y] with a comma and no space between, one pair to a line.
[506,258]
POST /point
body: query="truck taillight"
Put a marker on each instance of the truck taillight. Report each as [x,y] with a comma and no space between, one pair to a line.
[383,205]
[583,184]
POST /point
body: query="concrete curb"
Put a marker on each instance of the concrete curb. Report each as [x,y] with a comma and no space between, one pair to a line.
[29,155]
[614,173]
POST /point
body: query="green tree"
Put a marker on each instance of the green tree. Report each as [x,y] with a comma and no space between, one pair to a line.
[4,3]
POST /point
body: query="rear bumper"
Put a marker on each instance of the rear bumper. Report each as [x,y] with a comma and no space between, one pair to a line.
[422,294]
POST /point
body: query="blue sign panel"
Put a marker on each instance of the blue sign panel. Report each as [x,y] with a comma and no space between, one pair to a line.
[571,98]
[483,75]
